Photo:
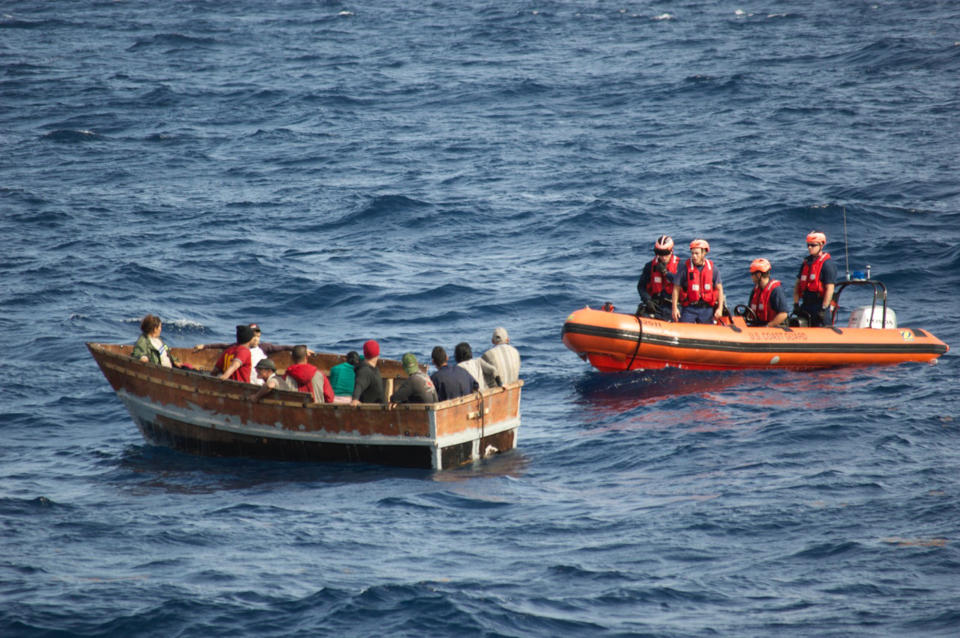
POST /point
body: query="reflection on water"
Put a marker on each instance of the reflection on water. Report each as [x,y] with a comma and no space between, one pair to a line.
[710,400]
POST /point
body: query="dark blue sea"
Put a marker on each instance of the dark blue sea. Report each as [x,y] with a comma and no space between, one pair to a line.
[420,173]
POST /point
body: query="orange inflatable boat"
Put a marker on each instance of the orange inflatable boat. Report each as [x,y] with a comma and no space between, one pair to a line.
[613,342]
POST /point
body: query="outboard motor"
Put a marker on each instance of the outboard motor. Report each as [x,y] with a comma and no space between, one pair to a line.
[877,315]
[872,317]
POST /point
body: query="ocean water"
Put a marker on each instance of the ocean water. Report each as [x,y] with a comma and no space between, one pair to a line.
[420,174]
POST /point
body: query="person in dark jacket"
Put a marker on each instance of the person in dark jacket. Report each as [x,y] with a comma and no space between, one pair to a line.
[451,381]
[150,348]
[417,387]
[368,386]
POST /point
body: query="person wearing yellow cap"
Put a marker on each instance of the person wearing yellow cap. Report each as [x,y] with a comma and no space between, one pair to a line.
[813,293]
[768,304]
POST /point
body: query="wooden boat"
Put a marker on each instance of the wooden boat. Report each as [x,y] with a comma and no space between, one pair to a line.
[613,342]
[192,411]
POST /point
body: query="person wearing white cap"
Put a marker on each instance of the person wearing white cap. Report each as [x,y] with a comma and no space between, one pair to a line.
[504,357]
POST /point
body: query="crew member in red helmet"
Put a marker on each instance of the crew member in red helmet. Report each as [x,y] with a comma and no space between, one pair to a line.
[697,289]
[767,299]
[813,293]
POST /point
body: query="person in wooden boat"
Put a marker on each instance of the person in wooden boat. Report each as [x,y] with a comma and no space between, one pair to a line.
[656,281]
[503,356]
[150,348]
[266,370]
[697,289]
[483,372]
[342,377]
[451,380]
[768,303]
[417,387]
[813,293]
[235,362]
[258,350]
[305,377]
[368,386]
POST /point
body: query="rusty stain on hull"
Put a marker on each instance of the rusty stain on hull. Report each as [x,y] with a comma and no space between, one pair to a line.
[194,412]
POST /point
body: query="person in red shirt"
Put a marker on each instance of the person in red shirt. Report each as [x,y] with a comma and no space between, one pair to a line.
[235,362]
[307,378]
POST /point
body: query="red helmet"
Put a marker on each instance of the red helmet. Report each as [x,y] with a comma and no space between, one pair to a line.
[816,237]
[759,265]
[664,243]
[700,243]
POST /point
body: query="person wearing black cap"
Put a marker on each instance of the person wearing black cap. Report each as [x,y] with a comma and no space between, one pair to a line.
[269,379]
[234,363]
[258,350]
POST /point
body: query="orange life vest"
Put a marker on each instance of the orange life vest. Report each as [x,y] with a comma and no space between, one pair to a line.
[658,283]
[760,301]
[699,284]
[810,275]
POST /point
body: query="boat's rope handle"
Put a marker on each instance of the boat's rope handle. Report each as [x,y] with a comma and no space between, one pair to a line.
[639,339]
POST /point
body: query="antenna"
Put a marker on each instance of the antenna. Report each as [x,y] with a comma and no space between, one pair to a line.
[846,245]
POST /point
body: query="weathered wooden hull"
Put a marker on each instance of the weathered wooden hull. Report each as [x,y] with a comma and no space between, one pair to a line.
[613,342]
[197,413]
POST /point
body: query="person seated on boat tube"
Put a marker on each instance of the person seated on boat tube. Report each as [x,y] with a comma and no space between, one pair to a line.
[235,362]
[266,369]
[368,386]
[483,372]
[656,280]
[150,348]
[767,299]
[502,356]
[697,290]
[258,350]
[304,377]
[451,381]
[343,375]
[813,293]
[417,387]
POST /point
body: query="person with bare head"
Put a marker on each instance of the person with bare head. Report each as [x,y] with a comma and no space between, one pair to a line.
[150,348]
[305,377]
[451,381]
[483,372]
